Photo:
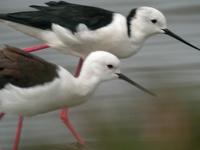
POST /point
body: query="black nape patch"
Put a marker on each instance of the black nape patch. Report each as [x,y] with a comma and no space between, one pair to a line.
[129,18]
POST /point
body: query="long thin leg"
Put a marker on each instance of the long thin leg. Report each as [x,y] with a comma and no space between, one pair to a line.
[65,118]
[78,68]
[18,133]
[20,119]
[36,48]
[2,115]
[64,112]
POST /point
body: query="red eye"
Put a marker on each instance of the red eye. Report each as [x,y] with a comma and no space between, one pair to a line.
[110,66]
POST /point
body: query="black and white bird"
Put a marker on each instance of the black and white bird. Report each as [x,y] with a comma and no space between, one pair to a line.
[78,29]
[30,85]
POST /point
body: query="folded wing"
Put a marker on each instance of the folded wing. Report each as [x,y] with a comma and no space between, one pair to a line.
[65,14]
[22,69]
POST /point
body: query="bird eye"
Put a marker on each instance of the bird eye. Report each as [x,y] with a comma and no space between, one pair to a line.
[154,21]
[110,66]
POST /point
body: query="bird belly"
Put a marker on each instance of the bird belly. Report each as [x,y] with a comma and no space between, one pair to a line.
[37,104]
[112,38]
[121,49]
[38,99]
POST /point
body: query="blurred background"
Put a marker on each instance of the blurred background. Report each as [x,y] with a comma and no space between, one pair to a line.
[119,117]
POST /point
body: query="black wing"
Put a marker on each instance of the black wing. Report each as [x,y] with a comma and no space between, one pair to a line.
[23,69]
[63,13]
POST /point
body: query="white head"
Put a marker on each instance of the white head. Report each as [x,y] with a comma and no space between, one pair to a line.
[146,21]
[101,66]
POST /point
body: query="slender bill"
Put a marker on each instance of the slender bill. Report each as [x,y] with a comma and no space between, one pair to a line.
[123,77]
[170,33]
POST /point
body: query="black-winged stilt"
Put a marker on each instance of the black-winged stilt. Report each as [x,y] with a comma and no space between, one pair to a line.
[78,30]
[30,85]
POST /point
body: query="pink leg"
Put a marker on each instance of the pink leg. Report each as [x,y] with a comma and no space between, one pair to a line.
[36,48]
[78,68]
[65,118]
[20,120]
[18,133]
[18,130]
[64,112]
[1,115]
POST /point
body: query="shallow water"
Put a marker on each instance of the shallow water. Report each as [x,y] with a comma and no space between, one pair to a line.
[164,66]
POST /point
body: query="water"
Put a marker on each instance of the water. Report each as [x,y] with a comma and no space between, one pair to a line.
[164,66]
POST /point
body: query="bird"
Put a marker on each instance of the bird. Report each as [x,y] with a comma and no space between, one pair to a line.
[79,29]
[29,85]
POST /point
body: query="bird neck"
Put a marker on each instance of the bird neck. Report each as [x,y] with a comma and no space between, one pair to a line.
[136,32]
[87,82]
[137,37]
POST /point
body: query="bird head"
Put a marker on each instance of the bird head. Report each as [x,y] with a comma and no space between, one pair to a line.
[147,21]
[102,66]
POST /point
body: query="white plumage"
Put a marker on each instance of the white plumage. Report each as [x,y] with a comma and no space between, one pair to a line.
[58,88]
[78,30]
[42,98]
[64,91]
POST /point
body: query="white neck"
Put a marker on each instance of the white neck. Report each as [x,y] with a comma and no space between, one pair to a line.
[137,36]
[88,82]
[85,84]
[137,33]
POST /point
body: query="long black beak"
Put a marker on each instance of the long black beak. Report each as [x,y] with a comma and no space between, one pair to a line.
[170,33]
[123,77]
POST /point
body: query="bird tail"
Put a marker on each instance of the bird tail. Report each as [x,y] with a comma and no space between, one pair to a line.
[2,16]
[32,31]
